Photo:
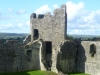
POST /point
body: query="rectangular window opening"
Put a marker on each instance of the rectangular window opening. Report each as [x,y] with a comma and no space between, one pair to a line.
[29,55]
[48,47]
[36,34]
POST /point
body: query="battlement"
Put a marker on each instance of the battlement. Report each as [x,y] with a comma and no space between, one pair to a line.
[34,15]
[41,16]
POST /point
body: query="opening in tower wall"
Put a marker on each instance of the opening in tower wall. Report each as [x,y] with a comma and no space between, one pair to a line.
[48,55]
[36,34]
[49,47]
[29,55]
[92,50]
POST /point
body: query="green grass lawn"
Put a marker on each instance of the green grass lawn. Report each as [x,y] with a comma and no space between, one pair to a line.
[31,73]
[39,72]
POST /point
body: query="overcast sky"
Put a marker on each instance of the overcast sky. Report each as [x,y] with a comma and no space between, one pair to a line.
[83,15]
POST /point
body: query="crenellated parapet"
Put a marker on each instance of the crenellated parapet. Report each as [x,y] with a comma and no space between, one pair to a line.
[39,16]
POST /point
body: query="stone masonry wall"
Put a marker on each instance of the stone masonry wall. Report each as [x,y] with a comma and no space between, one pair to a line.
[86,62]
[21,57]
[50,28]
[15,57]
[66,57]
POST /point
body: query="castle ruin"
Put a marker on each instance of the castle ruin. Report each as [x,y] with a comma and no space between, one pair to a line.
[46,48]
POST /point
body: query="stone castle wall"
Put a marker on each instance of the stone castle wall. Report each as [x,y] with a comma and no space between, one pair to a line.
[87,62]
[65,55]
[28,57]
[50,28]
[15,57]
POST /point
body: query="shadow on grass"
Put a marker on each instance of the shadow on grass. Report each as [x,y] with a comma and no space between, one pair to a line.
[16,73]
[38,72]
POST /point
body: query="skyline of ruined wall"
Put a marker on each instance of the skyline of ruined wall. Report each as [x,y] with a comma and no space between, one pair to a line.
[49,25]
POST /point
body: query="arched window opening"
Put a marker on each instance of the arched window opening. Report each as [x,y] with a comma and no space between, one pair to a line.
[92,50]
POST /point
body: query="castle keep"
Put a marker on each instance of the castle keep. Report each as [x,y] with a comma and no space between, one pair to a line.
[46,48]
[51,30]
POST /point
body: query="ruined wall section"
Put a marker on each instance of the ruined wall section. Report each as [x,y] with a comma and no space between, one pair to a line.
[91,63]
[66,57]
[32,50]
[59,25]
[12,57]
[49,26]
[15,56]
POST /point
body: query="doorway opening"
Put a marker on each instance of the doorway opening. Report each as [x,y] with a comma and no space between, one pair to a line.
[48,55]
[29,55]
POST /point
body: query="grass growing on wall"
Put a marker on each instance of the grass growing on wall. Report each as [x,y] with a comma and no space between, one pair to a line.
[31,73]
